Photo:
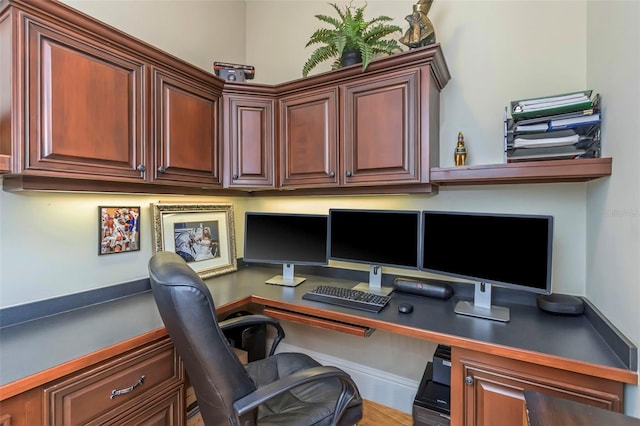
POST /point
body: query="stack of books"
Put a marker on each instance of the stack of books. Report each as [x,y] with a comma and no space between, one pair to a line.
[565,126]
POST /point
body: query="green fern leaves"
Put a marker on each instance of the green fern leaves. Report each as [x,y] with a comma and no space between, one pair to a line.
[350,31]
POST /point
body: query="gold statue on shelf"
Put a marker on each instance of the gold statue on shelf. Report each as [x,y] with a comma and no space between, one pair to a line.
[421,31]
[460,154]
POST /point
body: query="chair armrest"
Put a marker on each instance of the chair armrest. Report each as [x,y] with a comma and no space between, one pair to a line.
[255,319]
[251,401]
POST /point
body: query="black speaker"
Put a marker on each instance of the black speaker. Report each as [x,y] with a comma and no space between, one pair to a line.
[429,288]
[561,304]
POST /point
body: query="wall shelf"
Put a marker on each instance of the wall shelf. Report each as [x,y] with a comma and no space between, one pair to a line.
[582,170]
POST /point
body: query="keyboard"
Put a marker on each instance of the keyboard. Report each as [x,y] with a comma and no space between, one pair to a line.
[348,298]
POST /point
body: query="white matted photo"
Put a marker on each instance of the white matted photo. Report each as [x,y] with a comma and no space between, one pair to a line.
[202,234]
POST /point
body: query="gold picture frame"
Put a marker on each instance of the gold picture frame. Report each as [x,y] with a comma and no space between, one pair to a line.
[202,234]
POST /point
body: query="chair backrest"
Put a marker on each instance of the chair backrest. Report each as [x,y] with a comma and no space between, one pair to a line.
[188,312]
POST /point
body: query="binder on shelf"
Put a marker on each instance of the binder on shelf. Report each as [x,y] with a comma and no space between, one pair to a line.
[582,130]
[572,122]
[547,153]
[526,128]
[557,99]
[550,105]
[546,139]
[595,107]
[573,136]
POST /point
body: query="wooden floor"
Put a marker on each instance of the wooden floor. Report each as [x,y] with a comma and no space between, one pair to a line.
[379,415]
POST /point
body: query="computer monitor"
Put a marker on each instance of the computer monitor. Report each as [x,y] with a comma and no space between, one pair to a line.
[375,237]
[508,250]
[287,239]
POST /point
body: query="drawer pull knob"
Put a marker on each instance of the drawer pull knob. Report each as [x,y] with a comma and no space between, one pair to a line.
[117,392]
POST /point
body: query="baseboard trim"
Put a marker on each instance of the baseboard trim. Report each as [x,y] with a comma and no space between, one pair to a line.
[375,385]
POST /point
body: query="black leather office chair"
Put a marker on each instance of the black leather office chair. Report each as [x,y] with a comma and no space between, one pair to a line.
[280,390]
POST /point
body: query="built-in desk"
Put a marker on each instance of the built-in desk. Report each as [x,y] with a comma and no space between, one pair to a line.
[581,356]
[570,343]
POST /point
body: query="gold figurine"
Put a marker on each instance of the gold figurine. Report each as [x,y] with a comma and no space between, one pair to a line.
[460,154]
[421,31]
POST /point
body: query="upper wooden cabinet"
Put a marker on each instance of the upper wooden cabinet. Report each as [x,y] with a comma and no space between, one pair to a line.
[249,141]
[87,103]
[309,139]
[381,140]
[84,106]
[6,93]
[370,132]
[186,113]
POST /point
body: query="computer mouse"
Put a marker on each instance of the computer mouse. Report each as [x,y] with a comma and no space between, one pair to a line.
[405,308]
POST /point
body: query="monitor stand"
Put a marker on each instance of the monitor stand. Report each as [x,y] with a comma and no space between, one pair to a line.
[481,306]
[287,278]
[375,282]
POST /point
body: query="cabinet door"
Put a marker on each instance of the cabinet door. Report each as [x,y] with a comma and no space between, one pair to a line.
[489,390]
[6,95]
[24,409]
[186,131]
[85,107]
[381,142]
[309,139]
[249,142]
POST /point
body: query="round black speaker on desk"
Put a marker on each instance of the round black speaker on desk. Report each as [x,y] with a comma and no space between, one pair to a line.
[561,304]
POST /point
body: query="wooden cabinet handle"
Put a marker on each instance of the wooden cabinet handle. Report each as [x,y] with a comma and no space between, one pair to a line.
[348,173]
[332,174]
[468,380]
[234,177]
[117,392]
[161,169]
[141,168]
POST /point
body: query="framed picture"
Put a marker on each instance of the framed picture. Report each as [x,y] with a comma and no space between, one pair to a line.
[202,234]
[119,229]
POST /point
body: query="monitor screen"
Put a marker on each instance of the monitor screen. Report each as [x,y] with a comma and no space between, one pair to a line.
[376,237]
[505,249]
[285,238]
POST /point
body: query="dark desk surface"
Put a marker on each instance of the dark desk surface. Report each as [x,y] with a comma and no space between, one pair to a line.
[568,343]
[547,410]
[532,335]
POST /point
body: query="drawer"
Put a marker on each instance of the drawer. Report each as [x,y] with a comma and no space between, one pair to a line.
[164,410]
[113,386]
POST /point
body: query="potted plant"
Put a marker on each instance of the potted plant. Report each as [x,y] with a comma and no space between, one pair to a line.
[351,39]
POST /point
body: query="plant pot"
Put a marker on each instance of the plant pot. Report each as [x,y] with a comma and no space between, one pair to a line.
[350,57]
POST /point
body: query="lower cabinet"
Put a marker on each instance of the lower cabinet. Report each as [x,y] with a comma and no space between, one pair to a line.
[489,390]
[24,409]
[144,386]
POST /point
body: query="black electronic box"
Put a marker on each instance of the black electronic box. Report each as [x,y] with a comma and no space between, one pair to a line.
[442,365]
[432,404]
